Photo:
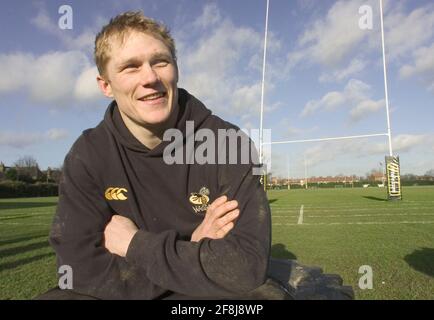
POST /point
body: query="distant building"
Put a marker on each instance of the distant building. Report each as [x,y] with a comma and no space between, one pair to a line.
[377,177]
[53,175]
[3,170]
[314,180]
[49,175]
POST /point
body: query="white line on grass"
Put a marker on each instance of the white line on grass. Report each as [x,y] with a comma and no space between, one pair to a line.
[371,215]
[24,224]
[353,208]
[346,223]
[371,209]
[26,215]
[300,218]
[273,216]
[357,215]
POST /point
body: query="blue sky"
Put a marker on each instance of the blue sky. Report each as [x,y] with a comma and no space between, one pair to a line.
[324,76]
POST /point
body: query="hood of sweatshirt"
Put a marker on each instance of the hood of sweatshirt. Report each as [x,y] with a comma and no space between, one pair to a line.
[190,109]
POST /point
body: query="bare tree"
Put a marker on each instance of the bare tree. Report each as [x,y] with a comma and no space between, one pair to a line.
[26,162]
[27,169]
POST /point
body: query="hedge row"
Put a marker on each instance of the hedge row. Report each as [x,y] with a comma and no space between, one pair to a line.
[18,189]
[355,185]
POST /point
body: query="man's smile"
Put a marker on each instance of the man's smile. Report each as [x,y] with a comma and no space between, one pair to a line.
[153,96]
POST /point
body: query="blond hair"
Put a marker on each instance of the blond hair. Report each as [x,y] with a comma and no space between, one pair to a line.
[120,26]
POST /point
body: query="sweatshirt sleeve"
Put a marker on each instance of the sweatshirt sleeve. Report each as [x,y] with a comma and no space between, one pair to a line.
[77,237]
[227,267]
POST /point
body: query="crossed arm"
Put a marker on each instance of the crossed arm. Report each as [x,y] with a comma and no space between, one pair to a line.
[219,220]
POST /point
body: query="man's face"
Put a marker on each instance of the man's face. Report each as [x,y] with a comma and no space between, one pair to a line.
[142,77]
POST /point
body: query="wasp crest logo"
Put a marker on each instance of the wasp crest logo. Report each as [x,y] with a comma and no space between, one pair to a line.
[200,200]
[116,193]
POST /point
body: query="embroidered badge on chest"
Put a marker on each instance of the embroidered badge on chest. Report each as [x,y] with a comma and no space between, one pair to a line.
[116,194]
[200,200]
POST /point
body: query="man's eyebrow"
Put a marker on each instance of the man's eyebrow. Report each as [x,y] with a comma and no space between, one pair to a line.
[161,55]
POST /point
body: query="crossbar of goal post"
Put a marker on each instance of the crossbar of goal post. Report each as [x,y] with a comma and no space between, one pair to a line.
[326,139]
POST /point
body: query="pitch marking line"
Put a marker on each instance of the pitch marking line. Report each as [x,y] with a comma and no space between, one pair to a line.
[372,215]
[353,208]
[358,215]
[359,223]
[24,224]
[300,218]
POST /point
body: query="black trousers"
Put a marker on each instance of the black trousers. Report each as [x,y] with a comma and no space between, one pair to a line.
[270,290]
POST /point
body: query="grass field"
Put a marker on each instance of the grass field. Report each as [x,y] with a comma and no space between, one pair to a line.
[27,262]
[337,229]
[343,229]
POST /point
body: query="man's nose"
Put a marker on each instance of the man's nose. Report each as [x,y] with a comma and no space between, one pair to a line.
[148,76]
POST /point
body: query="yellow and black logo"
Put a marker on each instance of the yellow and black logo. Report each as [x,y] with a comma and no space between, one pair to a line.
[115,194]
[200,200]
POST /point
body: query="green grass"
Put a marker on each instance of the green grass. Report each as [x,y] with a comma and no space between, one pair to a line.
[342,230]
[27,262]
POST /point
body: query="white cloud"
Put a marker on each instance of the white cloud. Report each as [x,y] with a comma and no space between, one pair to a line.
[406,32]
[210,16]
[366,107]
[289,131]
[14,69]
[401,143]
[356,96]
[218,67]
[355,66]
[406,142]
[21,139]
[52,76]
[86,87]
[422,66]
[247,97]
[329,41]
[334,38]
[329,102]
[56,134]
[55,77]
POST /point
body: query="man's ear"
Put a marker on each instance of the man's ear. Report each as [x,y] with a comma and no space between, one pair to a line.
[104,86]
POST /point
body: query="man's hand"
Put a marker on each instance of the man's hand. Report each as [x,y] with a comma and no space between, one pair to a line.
[118,234]
[218,221]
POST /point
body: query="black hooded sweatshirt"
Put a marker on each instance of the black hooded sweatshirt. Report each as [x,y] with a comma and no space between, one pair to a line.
[108,171]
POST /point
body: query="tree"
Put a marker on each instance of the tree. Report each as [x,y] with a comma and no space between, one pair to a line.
[430,173]
[27,169]
[11,174]
[26,162]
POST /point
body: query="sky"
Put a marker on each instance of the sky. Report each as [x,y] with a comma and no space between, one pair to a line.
[324,76]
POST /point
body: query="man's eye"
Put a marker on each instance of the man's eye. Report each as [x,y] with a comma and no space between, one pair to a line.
[130,67]
[161,63]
